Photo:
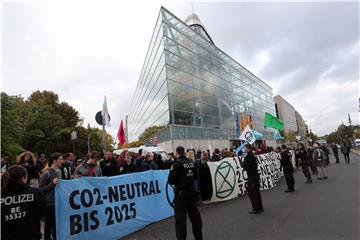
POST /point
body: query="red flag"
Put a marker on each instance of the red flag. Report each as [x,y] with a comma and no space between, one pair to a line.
[121,134]
[251,122]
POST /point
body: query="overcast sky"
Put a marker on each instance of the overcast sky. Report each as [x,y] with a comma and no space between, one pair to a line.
[84,50]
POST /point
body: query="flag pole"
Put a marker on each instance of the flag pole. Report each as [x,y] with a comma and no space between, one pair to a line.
[103,126]
[103,133]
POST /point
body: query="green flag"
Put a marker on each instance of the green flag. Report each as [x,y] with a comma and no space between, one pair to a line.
[271,121]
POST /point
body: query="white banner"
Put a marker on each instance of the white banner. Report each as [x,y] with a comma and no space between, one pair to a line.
[229,179]
[248,135]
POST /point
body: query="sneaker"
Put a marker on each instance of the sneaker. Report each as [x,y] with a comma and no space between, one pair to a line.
[325,177]
[308,181]
[253,212]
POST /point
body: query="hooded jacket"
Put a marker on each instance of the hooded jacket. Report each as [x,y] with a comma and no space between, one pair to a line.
[85,168]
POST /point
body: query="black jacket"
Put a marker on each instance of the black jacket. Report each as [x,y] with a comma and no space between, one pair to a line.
[129,168]
[182,175]
[335,149]
[250,164]
[215,157]
[21,210]
[286,163]
[32,172]
[302,154]
[109,168]
[67,170]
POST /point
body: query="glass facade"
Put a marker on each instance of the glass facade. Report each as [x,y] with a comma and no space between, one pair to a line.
[193,89]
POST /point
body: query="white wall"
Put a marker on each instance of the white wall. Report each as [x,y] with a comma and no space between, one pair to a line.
[198,144]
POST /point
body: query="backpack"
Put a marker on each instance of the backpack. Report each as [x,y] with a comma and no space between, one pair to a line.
[320,155]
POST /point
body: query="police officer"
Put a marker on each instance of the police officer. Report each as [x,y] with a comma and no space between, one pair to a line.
[287,167]
[182,176]
[253,185]
[21,206]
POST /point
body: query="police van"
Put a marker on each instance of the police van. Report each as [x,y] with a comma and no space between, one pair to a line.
[150,148]
[357,142]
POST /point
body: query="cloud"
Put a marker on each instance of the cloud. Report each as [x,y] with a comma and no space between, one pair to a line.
[84,50]
[302,50]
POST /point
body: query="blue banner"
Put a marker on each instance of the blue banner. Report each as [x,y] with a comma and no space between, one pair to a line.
[111,207]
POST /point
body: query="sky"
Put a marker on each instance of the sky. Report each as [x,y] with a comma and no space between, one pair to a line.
[85,50]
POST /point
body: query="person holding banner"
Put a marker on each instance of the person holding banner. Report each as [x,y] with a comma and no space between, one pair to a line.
[48,180]
[128,166]
[253,185]
[108,165]
[288,168]
[148,163]
[182,175]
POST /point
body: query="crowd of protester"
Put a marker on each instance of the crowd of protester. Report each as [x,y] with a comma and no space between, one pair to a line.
[38,175]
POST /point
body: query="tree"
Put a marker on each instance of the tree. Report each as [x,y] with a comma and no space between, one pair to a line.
[43,124]
[149,132]
[133,144]
[344,133]
[11,130]
[312,136]
[290,137]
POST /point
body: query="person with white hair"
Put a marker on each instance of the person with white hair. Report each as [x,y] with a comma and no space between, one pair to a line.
[148,163]
[319,158]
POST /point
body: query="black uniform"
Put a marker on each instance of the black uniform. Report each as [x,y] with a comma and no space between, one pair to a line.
[336,152]
[21,210]
[305,164]
[345,149]
[253,185]
[288,169]
[182,175]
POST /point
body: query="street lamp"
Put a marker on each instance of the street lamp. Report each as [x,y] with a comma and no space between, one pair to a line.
[73,138]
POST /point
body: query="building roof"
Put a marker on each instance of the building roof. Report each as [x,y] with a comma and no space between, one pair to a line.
[194,20]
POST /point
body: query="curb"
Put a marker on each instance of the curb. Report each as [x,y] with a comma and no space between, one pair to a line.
[357,152]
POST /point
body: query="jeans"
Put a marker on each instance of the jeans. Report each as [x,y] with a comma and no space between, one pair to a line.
[305,169]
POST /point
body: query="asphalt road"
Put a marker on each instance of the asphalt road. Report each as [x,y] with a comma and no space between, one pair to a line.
[325,209]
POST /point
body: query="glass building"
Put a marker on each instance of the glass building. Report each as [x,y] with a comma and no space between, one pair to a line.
[192,90]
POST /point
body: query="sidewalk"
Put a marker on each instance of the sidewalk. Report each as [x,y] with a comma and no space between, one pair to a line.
[356,151]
